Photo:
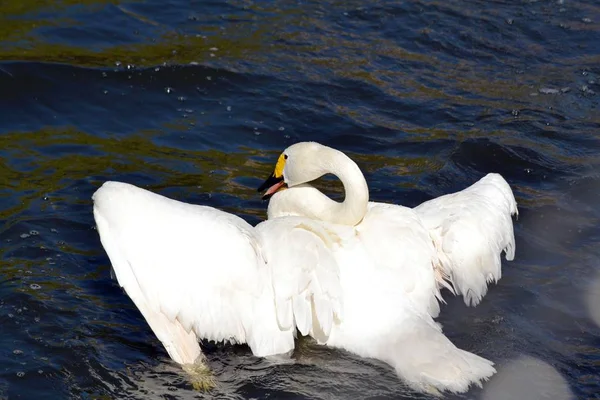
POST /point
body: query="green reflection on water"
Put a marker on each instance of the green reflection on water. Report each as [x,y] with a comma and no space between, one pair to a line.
[21,41]
[90,156]
[49,166]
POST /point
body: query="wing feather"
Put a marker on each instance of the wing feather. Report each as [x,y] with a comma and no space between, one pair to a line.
[471,229]
[189,269]
[304,271]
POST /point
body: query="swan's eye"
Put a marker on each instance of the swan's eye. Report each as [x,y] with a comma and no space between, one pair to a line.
[285,156]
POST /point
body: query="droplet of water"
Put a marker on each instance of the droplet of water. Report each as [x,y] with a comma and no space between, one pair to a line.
[228,108]
[118,63]
[209,78]
[105,92]
[40,371]
[35,286]
[212,54]
[565,89]
[515,113]
[20,374]
[510,21]
[281,128]
[17,352]
[168,89]
[25,235]
[214,49]
[104,75]
[548,91]
[33,233]
[181,98]
[587,20]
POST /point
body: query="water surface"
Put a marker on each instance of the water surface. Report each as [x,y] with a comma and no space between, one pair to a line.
[195,100]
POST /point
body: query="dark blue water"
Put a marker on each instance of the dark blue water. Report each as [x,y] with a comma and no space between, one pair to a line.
[195,99]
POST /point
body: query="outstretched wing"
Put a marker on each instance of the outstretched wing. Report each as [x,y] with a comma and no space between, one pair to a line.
[192,271]
[471,229]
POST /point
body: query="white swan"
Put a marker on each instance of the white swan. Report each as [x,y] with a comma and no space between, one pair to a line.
[197,272]
[454,240]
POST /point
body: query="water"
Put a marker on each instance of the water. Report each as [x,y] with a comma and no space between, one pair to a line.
[195,100]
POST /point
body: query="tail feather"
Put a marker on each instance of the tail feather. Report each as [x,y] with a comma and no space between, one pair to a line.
[429,362]
[412,343]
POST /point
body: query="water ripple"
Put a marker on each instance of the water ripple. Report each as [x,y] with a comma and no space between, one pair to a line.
[195,100]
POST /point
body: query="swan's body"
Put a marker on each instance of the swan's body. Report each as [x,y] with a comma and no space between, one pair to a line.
[197,272]
[355,275]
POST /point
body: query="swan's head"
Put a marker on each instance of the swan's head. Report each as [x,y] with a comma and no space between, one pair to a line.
[300,163]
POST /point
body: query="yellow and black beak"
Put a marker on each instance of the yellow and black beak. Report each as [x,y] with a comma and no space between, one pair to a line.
[275,181]
[272,185]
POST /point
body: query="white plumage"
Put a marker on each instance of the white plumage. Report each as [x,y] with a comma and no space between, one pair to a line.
[453,241]
[471,229]
[356,275]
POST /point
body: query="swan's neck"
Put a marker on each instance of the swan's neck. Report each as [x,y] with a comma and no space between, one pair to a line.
[308,201]
[354,207]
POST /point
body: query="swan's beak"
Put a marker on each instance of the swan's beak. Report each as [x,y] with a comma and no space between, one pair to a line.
[273,184]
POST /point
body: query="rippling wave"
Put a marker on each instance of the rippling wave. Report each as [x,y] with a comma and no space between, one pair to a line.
[196,99]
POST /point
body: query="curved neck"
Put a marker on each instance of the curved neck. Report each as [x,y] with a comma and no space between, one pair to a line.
[308,201]
[354,207]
